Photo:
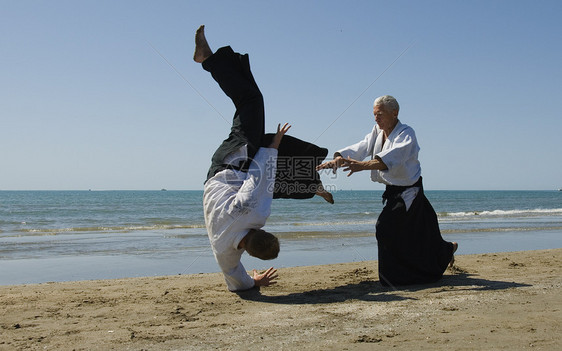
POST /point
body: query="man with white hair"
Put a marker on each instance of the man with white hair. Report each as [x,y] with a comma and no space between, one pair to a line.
[410,247]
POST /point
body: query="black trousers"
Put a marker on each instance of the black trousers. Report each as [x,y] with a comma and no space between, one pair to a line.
[296,175]
[232,71]
[410,247]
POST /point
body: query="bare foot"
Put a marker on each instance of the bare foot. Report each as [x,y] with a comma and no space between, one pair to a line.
[455,247]
[324,194]
[202,49]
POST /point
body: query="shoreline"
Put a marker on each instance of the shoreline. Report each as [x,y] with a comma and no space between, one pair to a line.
[508,300]
[57,267]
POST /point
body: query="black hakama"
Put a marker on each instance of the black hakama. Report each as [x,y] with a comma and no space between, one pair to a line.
[410,247]
[296,176]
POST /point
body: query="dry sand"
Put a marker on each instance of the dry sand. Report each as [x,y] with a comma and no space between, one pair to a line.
[503,301]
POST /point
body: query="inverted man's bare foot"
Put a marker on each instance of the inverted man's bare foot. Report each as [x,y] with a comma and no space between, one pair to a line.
[324,194]
[455,247]
[202,49]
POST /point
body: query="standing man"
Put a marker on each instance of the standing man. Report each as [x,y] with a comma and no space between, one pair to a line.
[410,247]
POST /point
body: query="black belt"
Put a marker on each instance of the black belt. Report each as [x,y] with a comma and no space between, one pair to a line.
[395,190]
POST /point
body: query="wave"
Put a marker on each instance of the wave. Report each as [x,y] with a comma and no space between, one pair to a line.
[112,229]
[312,224]
[327,224]
[356,233]
[504,213]
[499,229]
[287,235]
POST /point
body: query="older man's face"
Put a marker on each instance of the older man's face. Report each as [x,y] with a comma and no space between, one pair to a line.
[385,118]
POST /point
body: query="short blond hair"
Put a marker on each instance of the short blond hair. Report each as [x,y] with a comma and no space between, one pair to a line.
[262,244]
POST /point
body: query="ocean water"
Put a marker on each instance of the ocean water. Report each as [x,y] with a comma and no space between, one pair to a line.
[79,235]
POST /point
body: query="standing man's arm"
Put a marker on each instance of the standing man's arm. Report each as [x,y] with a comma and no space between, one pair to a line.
[357,151]
[353,166]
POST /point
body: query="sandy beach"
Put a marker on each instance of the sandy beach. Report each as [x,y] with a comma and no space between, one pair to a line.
[503,301]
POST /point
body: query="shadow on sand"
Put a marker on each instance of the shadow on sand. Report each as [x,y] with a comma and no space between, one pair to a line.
[370,290]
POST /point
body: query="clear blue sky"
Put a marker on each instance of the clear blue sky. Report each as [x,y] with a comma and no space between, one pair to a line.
[96,94]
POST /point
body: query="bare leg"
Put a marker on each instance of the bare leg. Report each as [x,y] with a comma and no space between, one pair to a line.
[202,49]
[324,194]
[455,247]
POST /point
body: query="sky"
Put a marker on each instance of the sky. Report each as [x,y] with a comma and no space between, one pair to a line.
[104,95]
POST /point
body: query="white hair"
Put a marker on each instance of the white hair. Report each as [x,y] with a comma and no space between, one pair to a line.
[389,102]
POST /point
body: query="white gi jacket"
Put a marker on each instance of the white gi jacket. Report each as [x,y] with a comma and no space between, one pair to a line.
[399,153]
[235,202]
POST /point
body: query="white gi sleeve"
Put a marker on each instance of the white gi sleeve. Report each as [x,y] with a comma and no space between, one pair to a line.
[359,151]
[234,272]
[256,193]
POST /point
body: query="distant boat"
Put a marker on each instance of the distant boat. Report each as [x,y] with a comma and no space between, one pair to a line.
[163,189]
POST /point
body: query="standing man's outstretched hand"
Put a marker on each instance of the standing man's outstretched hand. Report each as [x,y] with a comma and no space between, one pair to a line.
[280,132]
[336,163]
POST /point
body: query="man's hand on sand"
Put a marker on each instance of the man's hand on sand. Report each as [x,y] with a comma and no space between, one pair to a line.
[280,132]
[265,279]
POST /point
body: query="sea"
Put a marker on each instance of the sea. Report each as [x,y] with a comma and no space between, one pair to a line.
[51,236]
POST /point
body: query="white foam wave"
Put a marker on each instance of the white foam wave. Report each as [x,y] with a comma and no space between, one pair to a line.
[334,223]
[505,213]
[53,231]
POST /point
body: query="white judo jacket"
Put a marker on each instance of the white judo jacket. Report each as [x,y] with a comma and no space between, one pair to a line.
[235,202]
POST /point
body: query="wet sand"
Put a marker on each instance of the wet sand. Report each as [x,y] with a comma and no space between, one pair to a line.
[503,301]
